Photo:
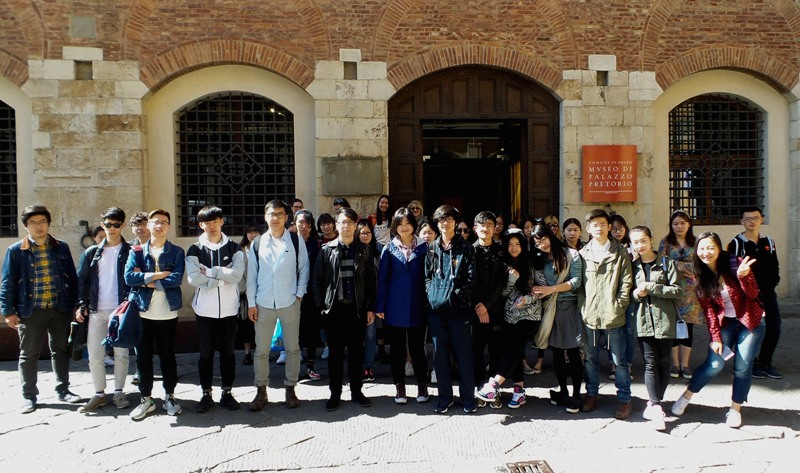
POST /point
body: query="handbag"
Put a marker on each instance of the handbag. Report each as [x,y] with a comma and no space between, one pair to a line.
[124,326]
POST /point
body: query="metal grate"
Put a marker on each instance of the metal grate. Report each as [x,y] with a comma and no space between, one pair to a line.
[8,171]
[533,466]
[235,150]
[716,158]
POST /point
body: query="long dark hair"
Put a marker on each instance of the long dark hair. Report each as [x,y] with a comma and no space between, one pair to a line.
[708,280]
[373,243]
[564,226]
[616,218]
[558,249]
[307,216]
[672,239]
[251,227]
[380,216]
[521,263]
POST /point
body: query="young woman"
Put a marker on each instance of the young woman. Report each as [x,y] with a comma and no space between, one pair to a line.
[727,291]
[527,229]
[415,207]
[562,273]
[366,236]
[572,233]
[656,287]
[620,231]
[245,330]
[552,223]
[679,247]
[499,228]
[465,232]
[381,220]
[523,313]
[427,232]
[399,303]
[310,321]
[327,228]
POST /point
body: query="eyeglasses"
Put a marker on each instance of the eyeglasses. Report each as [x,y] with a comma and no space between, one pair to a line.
[347,223]
[446,220]
[276,215]
[112,224]
[617,229]
[751,219]
[161,223]
[37,223]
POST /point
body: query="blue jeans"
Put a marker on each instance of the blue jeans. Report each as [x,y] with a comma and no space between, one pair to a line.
[745,345]
[370,344]
[617,345]
[452,335]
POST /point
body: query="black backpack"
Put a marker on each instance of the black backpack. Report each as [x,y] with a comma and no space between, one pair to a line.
[295,243]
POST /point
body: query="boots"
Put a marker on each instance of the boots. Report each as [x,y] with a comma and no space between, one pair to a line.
[260,401]
[291,398]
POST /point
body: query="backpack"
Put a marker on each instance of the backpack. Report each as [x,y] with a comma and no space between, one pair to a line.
[739,242]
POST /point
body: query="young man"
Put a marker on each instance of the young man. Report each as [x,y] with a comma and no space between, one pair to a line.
[450,285]
[139,228]
[603,299]
[490,279]
[762,248]
[277,269]
[214,266]
[101,288]
[38,293]
[344,288]
[154,272]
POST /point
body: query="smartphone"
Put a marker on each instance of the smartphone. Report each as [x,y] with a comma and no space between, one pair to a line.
[727,353]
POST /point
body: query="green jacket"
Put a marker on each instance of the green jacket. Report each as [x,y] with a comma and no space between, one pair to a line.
[605,292]
[656,313]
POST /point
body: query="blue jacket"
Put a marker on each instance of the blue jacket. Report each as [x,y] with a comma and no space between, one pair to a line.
[401,285]
[450,276]
[89,279]
[171,259]
[16,289]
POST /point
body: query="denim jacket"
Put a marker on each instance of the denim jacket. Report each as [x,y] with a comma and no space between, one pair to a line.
[450,276]
[89,277]
[16,289]
[172,259]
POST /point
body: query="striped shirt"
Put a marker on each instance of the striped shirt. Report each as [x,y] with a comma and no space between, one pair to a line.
[44,289]
[345,292]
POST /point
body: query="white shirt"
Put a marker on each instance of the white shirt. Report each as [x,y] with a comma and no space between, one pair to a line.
[108,294]
[159,306]
[275,281]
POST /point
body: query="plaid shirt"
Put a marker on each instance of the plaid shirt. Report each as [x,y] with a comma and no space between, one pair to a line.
[44,290]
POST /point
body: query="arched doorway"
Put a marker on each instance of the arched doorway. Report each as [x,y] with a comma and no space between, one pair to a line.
[478,138]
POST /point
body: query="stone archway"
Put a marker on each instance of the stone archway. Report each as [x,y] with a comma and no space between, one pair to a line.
[520,118]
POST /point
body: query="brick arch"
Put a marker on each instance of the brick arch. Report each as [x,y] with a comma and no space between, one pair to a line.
[653,27]
[406,71]
[13,68]
[191,56]
[140,14]
[777,73]
[394,13]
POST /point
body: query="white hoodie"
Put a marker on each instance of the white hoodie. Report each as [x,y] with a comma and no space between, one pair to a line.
[216,292]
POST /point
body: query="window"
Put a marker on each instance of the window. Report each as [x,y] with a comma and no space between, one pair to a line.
[235,150]
[8,172]
[716,158]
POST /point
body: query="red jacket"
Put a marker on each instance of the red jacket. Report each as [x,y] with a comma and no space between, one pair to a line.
[744,296]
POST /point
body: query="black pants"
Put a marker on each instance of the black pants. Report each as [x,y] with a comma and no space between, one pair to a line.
[575,369]
[158,335]
[310,325]
[772,319]
[216,335]
[345,329]
[396,337]
[656,353]
[245,328]
[483,336]
[514,337]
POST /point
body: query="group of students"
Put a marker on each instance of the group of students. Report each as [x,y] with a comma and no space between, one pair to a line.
[413,274]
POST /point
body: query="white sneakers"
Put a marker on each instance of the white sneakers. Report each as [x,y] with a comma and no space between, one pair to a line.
[733,419]
[655,414]
[680,405]
[145,407]
[171,406]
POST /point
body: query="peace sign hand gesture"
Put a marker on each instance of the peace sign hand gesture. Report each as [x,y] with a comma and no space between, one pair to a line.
[744,267]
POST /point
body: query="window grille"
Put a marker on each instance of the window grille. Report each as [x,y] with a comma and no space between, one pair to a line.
[716,158]
[8,172]
[235,150]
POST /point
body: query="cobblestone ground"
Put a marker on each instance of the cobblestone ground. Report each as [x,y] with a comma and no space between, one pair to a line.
[404,438]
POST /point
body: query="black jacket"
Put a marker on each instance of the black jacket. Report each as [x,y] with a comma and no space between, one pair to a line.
[490,279]
[766,268]
[450,276]
[325,278]
[89,277]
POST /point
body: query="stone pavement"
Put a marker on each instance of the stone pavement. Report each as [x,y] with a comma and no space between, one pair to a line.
[405,438]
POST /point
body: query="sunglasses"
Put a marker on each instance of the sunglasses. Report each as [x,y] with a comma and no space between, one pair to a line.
[463,230]
[113,225]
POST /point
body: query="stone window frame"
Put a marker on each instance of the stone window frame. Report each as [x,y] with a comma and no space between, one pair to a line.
[15,97]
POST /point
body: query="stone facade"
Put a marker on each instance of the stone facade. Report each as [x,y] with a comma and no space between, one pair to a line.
[616,67]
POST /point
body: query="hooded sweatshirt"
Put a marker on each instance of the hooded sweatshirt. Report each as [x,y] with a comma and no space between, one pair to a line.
[216,293]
